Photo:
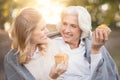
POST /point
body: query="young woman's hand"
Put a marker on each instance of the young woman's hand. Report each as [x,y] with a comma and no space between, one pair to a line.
[59,69]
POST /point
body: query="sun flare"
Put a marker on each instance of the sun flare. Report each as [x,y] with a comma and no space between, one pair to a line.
[50,10]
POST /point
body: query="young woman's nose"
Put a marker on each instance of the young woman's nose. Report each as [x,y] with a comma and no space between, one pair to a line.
[46,31]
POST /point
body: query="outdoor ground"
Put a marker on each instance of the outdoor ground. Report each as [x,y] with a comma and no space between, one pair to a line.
[113,46]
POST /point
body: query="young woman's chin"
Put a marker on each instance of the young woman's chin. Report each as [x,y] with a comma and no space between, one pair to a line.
[44,41]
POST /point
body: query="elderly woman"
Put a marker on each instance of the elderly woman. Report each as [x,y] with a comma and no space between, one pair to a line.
[88,58]
[32,53]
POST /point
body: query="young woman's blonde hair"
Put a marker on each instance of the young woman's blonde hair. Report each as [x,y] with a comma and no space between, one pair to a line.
[21,31]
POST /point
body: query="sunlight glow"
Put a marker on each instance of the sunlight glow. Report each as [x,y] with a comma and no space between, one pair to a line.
[44,2]
[119,6]
[14,13]
[51,11]
[105,7]
[7,26]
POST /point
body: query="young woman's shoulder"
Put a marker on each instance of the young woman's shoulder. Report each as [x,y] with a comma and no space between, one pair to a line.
[11,55]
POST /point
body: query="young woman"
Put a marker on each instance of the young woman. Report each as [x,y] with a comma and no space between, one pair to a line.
[32,53]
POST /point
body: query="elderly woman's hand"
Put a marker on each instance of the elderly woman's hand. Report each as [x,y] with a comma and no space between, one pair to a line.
[60,68]
[100,36]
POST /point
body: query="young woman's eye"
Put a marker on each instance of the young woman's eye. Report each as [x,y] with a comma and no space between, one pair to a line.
[43,29]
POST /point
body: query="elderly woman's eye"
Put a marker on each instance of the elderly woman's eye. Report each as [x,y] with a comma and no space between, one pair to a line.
[73,26]
[64,23]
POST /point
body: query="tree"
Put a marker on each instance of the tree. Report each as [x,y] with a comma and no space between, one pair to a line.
[99,16]
[7,7]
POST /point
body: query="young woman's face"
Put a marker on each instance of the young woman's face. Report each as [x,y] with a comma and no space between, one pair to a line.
[39,34]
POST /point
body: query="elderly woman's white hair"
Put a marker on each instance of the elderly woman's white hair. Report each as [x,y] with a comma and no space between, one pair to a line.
[84,19]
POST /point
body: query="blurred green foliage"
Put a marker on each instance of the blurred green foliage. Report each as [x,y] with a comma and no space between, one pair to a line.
[98,13]
[97,9]
[7,7]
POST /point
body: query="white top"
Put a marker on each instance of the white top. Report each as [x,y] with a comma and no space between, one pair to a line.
[78,67]
[40,66]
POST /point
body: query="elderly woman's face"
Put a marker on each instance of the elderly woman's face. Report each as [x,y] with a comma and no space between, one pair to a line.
[39,35]
[70,30]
